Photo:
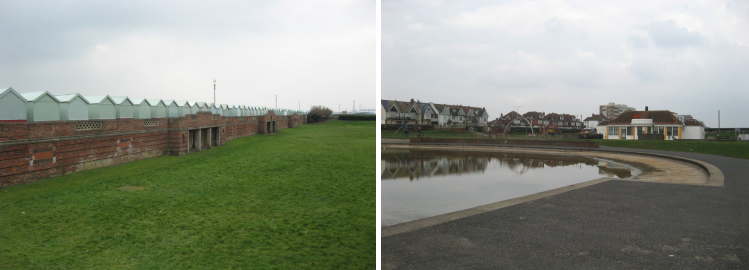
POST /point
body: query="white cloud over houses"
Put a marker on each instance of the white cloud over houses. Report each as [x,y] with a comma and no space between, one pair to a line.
[570,56]
[313,53]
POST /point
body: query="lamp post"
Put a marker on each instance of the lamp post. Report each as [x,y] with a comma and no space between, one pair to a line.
[214,92]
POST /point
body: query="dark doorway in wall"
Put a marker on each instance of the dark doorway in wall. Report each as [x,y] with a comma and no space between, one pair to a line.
[204,138]
[214,137]
[268,129]
[191,144]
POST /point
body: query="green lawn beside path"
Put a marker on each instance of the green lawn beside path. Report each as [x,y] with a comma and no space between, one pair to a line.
[300,199]
[727,149]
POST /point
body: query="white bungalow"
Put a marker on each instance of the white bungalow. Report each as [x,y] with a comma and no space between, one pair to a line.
[12,106]
[42,106]
[101,107]
[141,108]
[172,108]
[73,107]
[158,108]
[183,107]
[123,107]
[632,125]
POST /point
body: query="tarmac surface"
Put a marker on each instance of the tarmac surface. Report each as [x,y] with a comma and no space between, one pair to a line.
[614,224]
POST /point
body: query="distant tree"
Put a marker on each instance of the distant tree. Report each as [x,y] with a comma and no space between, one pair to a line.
[318,113]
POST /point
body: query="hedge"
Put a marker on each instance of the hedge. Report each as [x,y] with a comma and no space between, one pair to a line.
[358,117]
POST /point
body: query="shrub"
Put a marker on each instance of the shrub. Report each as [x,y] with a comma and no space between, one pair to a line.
[318,113]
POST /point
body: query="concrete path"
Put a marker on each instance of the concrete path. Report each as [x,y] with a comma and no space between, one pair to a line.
[611,225]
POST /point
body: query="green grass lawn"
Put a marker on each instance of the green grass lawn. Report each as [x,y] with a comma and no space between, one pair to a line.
[728,149]
[301,199]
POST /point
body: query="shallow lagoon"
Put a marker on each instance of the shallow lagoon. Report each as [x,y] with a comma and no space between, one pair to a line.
[418,184]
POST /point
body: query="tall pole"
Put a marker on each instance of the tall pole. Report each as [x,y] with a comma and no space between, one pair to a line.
[718,121]
[214,91]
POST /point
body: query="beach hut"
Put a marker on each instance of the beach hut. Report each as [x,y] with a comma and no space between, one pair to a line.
[212,108]
[183,107]
[203,107]
[194,108]
[225,110]
[73,107]
[141,108]
[172,109]
[123,107]
[41,106]
[235,110]
[101,107]
[12,106]
[158,108]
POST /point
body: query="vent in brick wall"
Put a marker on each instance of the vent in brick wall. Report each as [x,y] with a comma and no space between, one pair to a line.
[150,122]
[79,126]
[215,117]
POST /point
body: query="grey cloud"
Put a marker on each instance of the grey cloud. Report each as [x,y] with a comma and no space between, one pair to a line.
[639,42]
[553,25]
[668,34]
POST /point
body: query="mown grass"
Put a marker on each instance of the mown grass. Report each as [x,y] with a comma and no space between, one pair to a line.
[301,199]
[727,149]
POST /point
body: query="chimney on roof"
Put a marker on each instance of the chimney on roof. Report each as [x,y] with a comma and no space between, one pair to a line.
[412,101]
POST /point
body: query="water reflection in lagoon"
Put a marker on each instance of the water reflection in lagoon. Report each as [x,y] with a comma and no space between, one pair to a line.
[422,183]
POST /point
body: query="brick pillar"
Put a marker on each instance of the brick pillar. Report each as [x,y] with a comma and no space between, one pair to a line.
[210,130]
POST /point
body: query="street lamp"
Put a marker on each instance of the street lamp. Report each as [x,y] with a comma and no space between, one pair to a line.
[214,92]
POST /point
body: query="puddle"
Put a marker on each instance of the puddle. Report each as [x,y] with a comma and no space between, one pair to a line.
[418,184]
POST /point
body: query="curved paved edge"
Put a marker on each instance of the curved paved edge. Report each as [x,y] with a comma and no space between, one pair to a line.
[715,175]
[431,221]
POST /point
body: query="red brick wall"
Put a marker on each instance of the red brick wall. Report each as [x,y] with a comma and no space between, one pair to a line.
[33,151]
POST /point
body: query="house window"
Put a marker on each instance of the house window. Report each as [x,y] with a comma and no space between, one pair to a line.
[629,131]
[613,130]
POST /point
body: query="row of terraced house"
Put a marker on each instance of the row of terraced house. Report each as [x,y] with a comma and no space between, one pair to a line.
[414,112]
[536,120]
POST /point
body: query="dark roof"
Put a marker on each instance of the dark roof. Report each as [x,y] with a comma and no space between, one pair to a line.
[659,117]
[384,103]
[604,123]
[693,122]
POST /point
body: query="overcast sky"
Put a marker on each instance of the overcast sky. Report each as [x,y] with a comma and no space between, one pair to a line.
[316,53]
[690,57]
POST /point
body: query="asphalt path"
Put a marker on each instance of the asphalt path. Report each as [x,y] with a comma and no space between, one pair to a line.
[611,225]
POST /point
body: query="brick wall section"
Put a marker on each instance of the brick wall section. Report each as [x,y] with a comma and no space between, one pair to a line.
[586,144]
[33,151]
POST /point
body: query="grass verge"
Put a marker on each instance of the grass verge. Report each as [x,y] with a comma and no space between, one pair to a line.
[727,149]
[301,199]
